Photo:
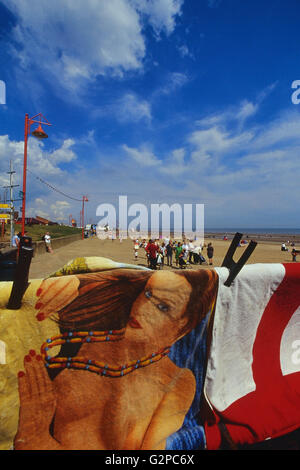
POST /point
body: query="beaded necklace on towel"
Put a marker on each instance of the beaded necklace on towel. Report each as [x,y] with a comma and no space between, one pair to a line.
[97,367]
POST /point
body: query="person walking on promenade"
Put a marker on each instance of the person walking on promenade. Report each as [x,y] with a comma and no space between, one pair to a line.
[191,250]
[136,249]
[169,253]
[159,260]
[163,251]
[178,250]
[294,254]
[152,250]
[16,240]
[210,253]
[47,240]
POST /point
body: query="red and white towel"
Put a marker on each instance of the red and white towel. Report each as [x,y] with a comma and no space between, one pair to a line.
[252,382]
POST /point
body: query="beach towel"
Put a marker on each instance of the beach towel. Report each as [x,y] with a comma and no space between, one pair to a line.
[252,382]
[54,395]
[55,392]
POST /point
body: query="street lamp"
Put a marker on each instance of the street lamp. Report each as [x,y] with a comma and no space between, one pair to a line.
[39,134]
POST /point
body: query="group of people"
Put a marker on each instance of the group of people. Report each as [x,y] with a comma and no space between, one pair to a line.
[46,239]
[90,231]
[294,251]
[166,252]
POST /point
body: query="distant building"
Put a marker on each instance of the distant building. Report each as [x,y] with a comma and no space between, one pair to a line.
[36,221]
[43,221]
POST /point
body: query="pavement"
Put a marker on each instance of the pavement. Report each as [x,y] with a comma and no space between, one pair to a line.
[46,263]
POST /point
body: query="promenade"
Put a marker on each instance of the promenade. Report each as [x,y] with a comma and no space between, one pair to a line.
[46,263]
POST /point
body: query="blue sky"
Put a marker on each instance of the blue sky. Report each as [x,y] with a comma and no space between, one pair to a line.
[186,101]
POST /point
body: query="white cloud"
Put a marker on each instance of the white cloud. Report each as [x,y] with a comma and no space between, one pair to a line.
[284,129]
[174,81]
[127,108]
[58,211]
[246,110]
[77,41]
[74,42]
[185,52]
[238,114]
[215,140]
[40,202]
[64,153]
[40,164]
[10,150]
[33,212]
[44,163]
[175,164]
[177,80]
[144,156]
[255,173]
[245,176]
[46,181]
[161,13]
[131,108]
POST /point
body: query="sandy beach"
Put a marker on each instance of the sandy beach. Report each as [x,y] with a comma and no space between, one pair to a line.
[44,264]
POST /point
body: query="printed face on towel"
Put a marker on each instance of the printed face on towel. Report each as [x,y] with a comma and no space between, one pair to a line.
[159,310]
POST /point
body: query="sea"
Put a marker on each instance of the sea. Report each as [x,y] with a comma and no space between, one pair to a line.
[258,231]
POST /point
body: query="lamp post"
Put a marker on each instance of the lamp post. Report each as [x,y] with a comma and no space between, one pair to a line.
[84,199]
[39,134]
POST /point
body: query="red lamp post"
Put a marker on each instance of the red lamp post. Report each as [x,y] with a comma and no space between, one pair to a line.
[39,134]
[84,199]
